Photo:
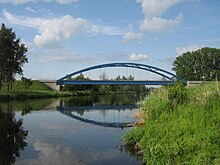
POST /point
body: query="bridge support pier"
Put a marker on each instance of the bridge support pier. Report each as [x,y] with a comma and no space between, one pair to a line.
[52,84]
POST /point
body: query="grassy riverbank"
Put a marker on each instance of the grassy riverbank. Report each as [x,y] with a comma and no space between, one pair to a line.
[21,95]
[19,85]
[179,126]
[35,89]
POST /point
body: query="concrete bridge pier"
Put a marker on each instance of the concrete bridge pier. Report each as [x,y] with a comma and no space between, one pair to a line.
[52,84]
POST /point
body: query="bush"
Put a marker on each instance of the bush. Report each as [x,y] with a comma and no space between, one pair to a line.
[177,94]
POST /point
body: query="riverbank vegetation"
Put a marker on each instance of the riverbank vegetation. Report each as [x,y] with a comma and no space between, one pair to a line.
[28,89]
[22,95]
[105,89]
[179,125]
[26,85]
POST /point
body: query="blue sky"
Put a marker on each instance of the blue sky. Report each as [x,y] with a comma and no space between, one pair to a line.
[67,35]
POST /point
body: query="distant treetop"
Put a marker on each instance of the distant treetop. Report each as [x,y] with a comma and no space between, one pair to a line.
[200,65]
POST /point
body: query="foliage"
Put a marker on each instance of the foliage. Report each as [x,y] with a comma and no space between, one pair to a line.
[27,85]
[27,89]
[12,56]
[134,136]
[187,134]
[104,89]
[21,95]
[177,94]
[200,65]
[75,88]
[27,82]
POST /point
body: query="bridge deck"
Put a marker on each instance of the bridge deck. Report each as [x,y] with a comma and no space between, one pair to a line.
[112,82]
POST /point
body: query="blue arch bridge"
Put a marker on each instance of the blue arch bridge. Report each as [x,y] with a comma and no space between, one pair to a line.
[170,77]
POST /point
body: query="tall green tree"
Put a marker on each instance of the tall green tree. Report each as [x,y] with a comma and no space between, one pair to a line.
[200,65]
[12,56]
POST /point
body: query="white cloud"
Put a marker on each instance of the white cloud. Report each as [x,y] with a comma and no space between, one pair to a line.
[30,9]
[51,31]
[23,21]
[158,24]
[17,2]
[131,36]
[58,29]
[66,1]
[138,57]
[73,58]
[190,48]
[155,8]
[108,30]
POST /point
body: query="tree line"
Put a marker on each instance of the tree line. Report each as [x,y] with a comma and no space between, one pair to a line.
[103,89]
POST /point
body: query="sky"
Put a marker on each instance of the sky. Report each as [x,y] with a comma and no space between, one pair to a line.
[64,36]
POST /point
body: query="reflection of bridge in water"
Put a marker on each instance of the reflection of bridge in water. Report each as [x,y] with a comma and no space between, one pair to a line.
[82,113]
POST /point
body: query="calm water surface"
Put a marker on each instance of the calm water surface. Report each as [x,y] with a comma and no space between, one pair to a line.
[73,131]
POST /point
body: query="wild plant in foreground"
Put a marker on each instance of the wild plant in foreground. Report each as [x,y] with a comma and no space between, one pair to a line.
[181,126]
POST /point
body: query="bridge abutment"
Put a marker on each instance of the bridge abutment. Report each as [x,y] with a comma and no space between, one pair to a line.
[52,84]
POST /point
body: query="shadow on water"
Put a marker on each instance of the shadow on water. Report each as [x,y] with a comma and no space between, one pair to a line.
[12,137]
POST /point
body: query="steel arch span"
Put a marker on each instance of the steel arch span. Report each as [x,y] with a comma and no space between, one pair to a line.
[171,78]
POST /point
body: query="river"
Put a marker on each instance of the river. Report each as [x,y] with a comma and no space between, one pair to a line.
[67,131]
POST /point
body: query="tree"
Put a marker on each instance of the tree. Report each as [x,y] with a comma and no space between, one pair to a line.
[12,56]
[77,87]
[27,82]
[200,65]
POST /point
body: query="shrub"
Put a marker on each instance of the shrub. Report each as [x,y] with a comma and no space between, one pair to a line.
[177,94]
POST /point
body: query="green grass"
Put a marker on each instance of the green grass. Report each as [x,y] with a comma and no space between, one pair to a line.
[21,91]
[177,131]
[19,85]
[21,95]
